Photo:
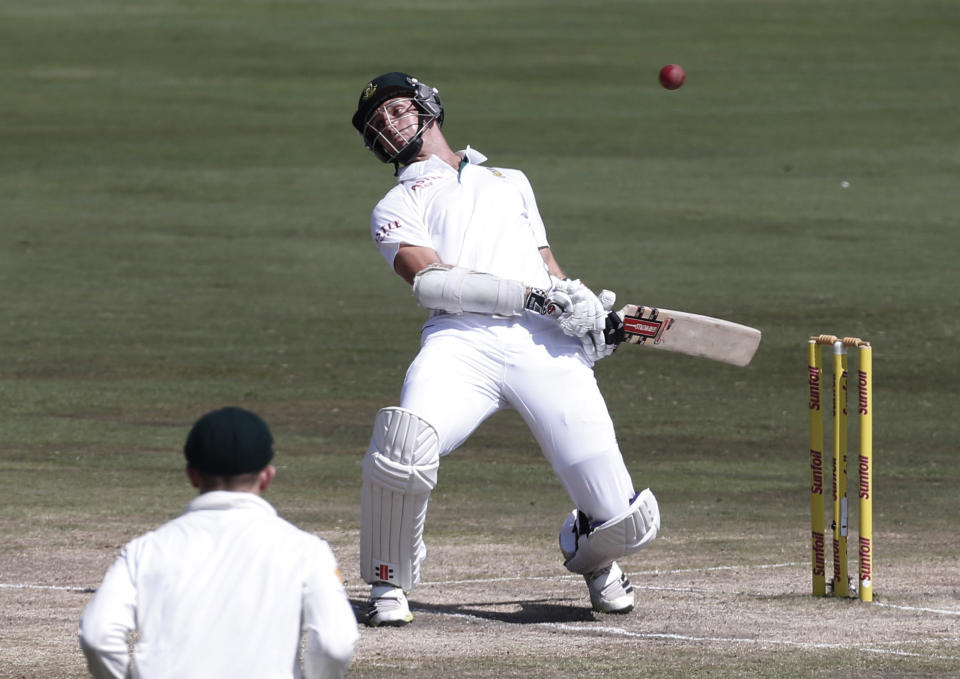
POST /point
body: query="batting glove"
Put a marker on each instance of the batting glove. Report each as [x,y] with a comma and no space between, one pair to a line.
[595,342]
[553,302]
[585,314]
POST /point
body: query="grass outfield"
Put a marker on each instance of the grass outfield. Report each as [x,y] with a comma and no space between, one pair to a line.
[183,225]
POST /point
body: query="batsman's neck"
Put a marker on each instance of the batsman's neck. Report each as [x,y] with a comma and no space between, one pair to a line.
[435,144]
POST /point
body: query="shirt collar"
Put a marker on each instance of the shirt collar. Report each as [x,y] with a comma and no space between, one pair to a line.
[433,164]
[225,499]
[473,155]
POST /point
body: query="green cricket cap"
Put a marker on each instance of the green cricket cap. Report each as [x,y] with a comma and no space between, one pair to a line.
[228,442]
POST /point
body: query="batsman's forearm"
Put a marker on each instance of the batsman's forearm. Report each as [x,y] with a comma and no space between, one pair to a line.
[457,290]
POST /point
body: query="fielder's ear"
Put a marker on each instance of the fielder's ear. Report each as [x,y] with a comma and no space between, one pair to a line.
[195,477]
[266,476]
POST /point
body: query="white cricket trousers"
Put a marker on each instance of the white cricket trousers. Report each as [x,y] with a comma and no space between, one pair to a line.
[471,366]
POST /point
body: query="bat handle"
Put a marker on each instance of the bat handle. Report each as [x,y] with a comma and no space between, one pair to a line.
[613,332]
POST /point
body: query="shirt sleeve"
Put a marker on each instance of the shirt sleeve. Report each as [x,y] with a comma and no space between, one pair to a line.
[396,221]
[329,625]
[108,620]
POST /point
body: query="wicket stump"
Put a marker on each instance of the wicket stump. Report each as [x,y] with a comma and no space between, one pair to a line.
[839,465]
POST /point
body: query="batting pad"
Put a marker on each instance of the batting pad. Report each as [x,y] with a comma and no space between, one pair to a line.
[399,472]
[587,548]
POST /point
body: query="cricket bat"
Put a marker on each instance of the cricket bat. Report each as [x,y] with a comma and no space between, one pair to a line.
[683,333]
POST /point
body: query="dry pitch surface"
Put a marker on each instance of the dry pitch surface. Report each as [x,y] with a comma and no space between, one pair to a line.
[490,611]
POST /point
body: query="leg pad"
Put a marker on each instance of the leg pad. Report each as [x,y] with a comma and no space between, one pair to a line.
[399,472]
[588,548]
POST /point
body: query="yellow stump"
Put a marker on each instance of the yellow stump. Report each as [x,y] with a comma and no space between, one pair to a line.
[840,568]
[814,372]
[840,484]
[865,469]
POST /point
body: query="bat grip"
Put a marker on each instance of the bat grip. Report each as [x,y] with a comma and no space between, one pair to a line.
[613,332]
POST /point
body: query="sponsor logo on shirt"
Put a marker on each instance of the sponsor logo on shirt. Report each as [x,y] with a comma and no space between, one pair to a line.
[381,233]
[424,182]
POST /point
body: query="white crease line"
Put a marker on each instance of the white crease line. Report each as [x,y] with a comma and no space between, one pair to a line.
[689,590]
[942,611]
[478,581]
[742,567]
[764,642]
[4,585]
[656,572]
[619,631]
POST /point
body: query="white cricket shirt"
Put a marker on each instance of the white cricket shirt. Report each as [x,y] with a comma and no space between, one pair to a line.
[224,590]
[481,218]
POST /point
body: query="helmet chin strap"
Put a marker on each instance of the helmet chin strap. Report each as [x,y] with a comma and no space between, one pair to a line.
[412,148]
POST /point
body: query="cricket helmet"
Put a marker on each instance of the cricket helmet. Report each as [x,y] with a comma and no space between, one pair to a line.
[389,86]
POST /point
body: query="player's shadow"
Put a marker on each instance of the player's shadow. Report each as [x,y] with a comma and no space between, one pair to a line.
[531,612]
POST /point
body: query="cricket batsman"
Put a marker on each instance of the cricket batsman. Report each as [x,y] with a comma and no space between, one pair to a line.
[507,329]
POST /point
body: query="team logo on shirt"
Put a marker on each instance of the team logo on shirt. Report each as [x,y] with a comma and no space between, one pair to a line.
[494,171]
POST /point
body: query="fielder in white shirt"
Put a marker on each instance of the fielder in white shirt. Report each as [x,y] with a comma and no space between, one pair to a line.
[228,589]
[507,329]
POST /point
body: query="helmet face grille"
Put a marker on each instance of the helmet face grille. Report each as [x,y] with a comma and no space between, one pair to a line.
[371,127]
[393,128]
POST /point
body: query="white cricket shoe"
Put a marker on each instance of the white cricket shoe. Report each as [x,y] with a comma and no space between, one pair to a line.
[610,590]
[389,607]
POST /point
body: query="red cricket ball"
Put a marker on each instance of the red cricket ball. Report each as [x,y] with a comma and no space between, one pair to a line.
[672,76]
